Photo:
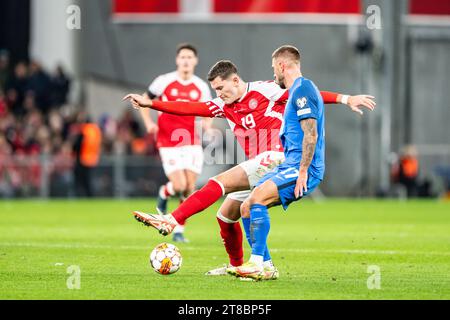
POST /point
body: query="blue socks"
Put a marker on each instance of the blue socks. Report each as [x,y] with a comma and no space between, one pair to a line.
[246,223]
[257,229]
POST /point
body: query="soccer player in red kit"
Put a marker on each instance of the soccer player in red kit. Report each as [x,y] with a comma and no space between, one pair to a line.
[254,111]
[177,140]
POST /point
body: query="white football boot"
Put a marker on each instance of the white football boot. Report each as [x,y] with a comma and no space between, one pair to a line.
[163,223]
[224,270]
[232,271]
[221,271]
[250,270]
[270,273]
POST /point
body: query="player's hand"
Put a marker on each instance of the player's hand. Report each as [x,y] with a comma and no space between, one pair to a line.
[138,101]
[356,103]
[301,185]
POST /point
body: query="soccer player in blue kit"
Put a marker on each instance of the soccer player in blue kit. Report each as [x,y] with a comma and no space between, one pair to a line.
[303,137]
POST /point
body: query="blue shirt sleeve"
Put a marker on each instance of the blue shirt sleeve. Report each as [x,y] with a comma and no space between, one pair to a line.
[306,101]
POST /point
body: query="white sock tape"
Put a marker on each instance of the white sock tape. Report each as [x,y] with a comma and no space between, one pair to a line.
[220,184]
[224,219]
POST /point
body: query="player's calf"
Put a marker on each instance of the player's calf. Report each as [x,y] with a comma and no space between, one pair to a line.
[163,195]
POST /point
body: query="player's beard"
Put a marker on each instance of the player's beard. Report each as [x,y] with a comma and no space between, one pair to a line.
[281,84]
[280,81]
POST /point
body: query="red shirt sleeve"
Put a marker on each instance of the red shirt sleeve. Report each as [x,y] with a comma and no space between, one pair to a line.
[185,108]
[329,97]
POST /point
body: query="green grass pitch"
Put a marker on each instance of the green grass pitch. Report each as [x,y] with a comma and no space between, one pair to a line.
[322,249]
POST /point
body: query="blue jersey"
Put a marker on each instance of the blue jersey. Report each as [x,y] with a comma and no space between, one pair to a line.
[304,102]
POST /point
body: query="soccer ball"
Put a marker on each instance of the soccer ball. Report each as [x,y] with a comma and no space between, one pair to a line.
[165,258]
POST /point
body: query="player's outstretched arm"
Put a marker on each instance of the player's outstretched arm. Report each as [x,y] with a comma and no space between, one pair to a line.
[355,103]
[182,108]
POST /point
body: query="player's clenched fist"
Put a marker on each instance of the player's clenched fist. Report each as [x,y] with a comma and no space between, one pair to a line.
[138,101]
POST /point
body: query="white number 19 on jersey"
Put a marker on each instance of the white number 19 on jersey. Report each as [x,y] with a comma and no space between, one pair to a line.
[248,122]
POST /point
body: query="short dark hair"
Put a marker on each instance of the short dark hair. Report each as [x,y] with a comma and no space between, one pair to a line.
[187,46]
[287,51]
[223,69]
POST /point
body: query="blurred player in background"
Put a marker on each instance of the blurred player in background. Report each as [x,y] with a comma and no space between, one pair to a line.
[254,111]
[177,140]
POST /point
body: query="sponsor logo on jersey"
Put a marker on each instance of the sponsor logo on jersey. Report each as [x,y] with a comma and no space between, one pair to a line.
[301,102]
[253,104]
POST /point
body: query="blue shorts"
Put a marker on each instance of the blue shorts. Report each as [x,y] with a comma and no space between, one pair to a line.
[285,177]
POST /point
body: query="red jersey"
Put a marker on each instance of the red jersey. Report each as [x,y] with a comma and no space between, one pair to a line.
[175,130]
[256,117]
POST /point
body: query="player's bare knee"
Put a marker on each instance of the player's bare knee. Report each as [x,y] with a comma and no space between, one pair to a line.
[179,187]
[228,216]
[245,209]
[220,181]
[256,197]
[219,178]
[190,187]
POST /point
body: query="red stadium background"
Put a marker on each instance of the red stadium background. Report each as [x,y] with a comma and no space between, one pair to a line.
[430,7]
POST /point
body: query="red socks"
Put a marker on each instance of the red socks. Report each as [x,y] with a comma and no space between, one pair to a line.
[231,234]
[199,201]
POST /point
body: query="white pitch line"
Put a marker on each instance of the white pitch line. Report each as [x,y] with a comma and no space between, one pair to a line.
[299,250]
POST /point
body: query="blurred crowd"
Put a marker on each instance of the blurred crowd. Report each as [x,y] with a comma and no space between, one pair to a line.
[36,121]
[405,174]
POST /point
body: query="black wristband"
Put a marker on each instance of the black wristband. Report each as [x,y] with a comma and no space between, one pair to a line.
[151,95]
